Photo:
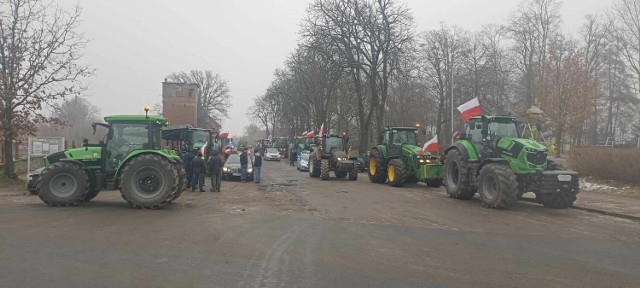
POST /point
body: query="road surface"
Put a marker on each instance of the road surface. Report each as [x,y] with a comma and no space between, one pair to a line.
[295,231]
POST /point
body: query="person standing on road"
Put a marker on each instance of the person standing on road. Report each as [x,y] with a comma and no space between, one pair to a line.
[244,162]
[198,168]
[215,165]
[257,165]
[186,161]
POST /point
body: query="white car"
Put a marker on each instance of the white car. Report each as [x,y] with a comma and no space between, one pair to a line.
[272,154]
[303,161]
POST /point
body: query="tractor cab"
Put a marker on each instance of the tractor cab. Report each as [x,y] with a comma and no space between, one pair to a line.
[485,131]
[187,138]
[396,137]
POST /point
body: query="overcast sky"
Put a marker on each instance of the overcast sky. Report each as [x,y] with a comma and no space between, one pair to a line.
[135,44]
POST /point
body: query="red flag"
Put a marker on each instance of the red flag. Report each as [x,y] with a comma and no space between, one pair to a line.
[305,133]
[470,109]
[310,134]
[430,146]
[224,135]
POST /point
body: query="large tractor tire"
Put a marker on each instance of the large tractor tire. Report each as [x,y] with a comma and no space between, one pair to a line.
[353,174]
[314,168]
[341,174]
[559,200]
[182,180]
[396,173]
[90,195]
[324,169]
[149,181]
[497,186]
[435,183]
[377,167]
[62,184]
[456,177]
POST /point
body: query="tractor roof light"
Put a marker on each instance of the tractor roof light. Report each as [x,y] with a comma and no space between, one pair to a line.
[146,110]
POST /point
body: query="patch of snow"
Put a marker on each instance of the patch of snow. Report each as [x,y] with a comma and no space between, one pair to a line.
[588,186]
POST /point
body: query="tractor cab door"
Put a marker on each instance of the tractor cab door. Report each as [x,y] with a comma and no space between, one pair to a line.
[474,134]
[123,139]
[395,143]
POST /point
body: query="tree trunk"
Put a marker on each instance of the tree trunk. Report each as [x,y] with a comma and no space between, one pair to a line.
[9,167]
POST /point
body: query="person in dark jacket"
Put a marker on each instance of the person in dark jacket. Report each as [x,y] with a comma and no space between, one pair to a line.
[186,161]
[215,166]
[198,168]
[244,163]
[257,165]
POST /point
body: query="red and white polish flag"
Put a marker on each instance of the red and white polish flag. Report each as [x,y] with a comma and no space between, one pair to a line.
[321,132]
[430,146]
[470,109]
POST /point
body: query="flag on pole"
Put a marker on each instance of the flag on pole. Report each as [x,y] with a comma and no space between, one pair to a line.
[203,149]
[310,134]
[321,132]
[305,133]
[430,146]
[470,109]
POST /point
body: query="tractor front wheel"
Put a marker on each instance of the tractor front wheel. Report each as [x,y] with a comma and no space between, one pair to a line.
[314,170]
[377,168]
[149,181]
[353,174]
[62,184]
[396,173]
[456,176]
[324,169]
[497,186]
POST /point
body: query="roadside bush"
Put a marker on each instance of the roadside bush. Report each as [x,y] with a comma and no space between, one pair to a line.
[606,163]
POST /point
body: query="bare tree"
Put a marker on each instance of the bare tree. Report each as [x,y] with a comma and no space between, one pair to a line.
[77,114]
[214,99]
[40,52]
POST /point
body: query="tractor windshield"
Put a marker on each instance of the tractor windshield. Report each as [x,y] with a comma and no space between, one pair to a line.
[504,128]
[334,142]
[404,137]
[199,137]
[125,138]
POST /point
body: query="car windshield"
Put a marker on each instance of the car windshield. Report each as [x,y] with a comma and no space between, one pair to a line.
[272,150]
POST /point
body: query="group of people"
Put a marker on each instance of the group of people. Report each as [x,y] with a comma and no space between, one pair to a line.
[196,168]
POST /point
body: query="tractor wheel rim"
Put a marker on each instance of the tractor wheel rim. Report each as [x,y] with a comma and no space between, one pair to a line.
[372,166]
[391,172]
[490,187]
[454,175]
[63,185]
[147,182]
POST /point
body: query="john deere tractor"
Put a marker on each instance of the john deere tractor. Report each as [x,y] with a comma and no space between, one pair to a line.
[492,159]
[130,159]
[329,155]
[397,160]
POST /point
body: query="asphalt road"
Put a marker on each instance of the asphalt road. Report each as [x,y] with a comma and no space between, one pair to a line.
[294,231]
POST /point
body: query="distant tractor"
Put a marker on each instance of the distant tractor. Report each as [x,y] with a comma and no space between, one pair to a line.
[329,155]
[130,159]
[188,138]
[492,159]
[398,160]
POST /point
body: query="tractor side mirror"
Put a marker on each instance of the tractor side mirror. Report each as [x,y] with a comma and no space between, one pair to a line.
[85,144]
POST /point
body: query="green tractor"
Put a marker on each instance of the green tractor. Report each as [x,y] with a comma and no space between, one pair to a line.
[492,159]
[131,160]
[397,160]
[329,155]
[188,138]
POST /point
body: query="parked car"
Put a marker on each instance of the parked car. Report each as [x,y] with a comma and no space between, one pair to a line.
[272,154]
[31,180]
[231,168]
[302,164]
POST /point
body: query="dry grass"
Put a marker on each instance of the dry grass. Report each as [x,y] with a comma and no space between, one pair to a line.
[607,163]
[12,185]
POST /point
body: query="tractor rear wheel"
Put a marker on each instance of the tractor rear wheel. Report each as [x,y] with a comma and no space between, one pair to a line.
[396,173]
[62,184]
[353,174]
[456,176]
[559,200]
[314,169]
[435,183]
[377,167]
[497,186]
[324,169]
[149,181]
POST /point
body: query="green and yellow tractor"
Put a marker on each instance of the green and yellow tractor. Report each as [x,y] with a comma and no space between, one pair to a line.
[397,160]
[492,159]
[130,159]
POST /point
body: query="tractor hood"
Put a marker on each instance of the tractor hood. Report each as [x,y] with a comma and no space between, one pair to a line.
[526,143]
[415,150]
